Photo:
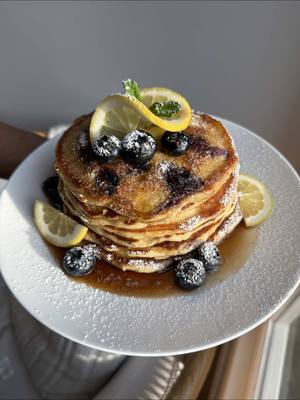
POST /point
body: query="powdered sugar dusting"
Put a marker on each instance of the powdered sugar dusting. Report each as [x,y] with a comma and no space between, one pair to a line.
[164,166]
[107,146]
[228,225]
[133,140]
[137,252]
[83,139]
[236,171]
[190,224]
[229,194]
[150,265]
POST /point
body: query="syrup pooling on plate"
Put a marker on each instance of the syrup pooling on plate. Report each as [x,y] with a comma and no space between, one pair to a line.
[235,251]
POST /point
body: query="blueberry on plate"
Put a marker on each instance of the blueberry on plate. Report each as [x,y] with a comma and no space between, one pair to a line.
[80,261]
[51,192]
[107,148]
[138,147]
[209,254]
[190,274]
[175,143]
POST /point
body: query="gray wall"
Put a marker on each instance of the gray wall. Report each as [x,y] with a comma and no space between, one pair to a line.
[239,60]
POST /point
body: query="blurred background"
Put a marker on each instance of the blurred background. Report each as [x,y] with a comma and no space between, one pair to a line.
[237,60]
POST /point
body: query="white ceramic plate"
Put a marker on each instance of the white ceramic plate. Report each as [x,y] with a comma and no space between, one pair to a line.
[154,326]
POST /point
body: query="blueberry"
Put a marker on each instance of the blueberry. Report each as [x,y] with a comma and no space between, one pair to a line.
[175,143]
[190,273]
[209,254]
[51,192]
[80,261]
[138,147]
[107,148]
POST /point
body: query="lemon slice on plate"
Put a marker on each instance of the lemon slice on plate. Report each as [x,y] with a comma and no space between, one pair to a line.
[119,114]
[255,200]
[56,227]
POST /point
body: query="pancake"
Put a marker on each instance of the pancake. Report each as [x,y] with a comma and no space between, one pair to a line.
[174,181]
[107,218]
[166,247]
[151,265]
[147,235]
[143,217]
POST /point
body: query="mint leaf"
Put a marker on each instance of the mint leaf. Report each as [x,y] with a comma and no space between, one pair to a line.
[165,108]
[132,88]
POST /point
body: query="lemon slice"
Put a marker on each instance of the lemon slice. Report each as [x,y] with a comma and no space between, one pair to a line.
[177,123]
[119,114]
[56,227]
[255,200]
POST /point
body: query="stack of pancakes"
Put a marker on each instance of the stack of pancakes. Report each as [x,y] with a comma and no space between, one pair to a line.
[142,217]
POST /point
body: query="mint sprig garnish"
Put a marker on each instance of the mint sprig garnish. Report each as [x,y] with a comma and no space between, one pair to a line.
[167,109]
[132,88]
